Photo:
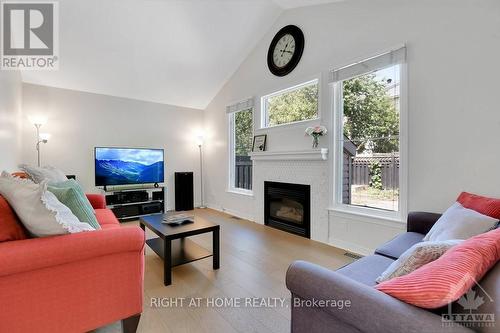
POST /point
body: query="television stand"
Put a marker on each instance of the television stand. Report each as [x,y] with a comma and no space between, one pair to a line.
[133,203]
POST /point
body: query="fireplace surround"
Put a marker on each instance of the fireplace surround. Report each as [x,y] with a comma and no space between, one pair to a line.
[288,207]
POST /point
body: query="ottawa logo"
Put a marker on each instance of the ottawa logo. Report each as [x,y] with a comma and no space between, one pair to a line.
[474,309]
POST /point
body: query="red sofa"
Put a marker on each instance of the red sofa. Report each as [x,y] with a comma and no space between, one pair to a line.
[73,283]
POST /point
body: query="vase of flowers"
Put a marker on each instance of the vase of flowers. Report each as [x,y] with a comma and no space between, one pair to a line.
[315,132]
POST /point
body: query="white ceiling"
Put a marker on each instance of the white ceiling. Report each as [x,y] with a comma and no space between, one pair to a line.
[178,52]
[288,4]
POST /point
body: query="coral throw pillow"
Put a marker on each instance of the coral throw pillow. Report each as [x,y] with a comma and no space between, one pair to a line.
[448,278]
[20,174]
[484,205]
[10,228]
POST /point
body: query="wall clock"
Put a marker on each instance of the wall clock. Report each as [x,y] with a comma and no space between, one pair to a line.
[285,50]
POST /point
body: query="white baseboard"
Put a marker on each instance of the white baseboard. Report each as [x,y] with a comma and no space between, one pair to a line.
[231,212]
[171,209]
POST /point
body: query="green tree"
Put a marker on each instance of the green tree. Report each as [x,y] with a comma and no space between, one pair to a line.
[300,104]
[243,130]
[370,114]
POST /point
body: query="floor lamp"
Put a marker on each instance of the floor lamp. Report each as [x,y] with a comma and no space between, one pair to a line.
[40,137]
[200,145]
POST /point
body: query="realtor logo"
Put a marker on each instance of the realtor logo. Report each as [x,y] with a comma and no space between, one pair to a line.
[29,35]
[469,310]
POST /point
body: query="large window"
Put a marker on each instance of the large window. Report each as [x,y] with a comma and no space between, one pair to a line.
[368,117]
[291,105]
[241,139]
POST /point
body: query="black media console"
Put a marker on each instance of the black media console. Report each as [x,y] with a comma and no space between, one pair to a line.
[128,204]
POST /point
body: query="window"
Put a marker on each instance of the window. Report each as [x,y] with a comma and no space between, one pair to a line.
[240,139]
[369,151]
[291,105]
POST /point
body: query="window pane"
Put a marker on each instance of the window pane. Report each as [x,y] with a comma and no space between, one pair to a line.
[291,106]
[243,137]
[370,174]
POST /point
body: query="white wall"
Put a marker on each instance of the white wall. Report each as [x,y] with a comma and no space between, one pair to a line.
[79,121]
[454,121]
[10,119]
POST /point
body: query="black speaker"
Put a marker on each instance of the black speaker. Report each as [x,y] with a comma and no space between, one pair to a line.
[184,194]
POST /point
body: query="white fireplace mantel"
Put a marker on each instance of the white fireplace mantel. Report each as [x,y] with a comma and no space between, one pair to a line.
[297,155]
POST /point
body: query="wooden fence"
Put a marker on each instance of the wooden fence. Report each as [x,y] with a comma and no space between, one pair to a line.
[389,170]
[243,172]
[359,171]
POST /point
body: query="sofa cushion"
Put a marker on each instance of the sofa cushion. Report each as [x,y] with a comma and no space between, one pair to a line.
[398,245]
[367,269]
[110,226]
[448,278]
[106,216]
[10,227]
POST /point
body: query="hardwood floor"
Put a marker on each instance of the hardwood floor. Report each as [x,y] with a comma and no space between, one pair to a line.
[254,260]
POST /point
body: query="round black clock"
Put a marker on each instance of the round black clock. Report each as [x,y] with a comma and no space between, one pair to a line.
[285,50]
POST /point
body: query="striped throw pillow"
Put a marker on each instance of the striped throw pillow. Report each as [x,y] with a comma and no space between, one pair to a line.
[484,205]
[448,278]
[71,195]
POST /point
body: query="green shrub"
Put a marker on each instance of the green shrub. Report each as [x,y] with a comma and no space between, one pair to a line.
[376,175]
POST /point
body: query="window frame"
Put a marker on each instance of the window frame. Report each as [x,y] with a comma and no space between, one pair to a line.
[337,144]
[264,117]
[232,152]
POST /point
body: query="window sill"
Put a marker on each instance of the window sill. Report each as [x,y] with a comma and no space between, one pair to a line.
[247,193]
[368,214]
[291,125]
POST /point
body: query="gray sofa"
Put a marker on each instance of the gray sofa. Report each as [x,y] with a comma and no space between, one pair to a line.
[371,310]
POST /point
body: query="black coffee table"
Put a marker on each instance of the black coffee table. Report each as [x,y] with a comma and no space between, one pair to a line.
[173,246]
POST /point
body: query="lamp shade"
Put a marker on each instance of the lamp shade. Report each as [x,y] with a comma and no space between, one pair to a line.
[37,119]
[199,140]
[44,136]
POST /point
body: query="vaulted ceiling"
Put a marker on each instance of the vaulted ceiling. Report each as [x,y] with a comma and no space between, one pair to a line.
[178,52]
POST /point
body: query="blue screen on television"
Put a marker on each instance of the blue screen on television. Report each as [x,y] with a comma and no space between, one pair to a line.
[122,166]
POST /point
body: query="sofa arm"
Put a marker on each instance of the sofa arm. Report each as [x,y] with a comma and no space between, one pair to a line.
[370,310]
[421,222]
[98,201]
[37,253]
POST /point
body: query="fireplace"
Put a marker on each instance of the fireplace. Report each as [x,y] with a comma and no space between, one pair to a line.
[288,207]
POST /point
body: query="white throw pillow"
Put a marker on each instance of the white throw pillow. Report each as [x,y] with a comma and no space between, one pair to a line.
[459,222]
[39,174]
[415,257]
[38,209]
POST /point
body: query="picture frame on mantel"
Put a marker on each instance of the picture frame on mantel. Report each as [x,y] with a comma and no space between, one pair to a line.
[259,143]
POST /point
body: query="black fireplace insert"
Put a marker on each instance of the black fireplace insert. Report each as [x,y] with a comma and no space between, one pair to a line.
[288,207]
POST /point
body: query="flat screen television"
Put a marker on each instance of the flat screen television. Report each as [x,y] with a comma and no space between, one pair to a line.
[127,166]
